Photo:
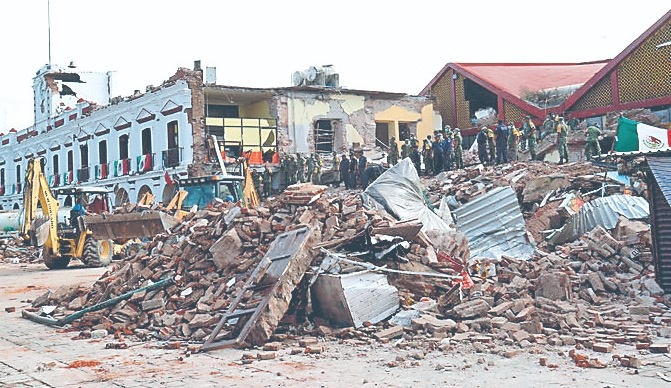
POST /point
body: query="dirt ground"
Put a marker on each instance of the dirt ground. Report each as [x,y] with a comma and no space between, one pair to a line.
[35,355]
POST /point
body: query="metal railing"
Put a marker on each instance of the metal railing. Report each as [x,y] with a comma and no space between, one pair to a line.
[172,157]
[83,174]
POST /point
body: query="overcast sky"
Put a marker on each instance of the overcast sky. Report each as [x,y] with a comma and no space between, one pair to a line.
[395,46]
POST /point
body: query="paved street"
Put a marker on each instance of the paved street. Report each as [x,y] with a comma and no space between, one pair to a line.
[34,355]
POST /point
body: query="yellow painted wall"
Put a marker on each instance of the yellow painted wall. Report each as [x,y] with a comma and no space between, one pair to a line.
[427,125]
[260,109]
[396,114]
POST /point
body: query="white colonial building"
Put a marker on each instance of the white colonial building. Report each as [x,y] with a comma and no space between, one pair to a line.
[143,142]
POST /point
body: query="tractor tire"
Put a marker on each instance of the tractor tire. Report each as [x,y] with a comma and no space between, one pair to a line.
[97,253]
[54,262]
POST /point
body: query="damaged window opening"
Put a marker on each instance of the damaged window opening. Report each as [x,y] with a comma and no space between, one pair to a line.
[245,136]
[324,136]
[382,134]
[404,131]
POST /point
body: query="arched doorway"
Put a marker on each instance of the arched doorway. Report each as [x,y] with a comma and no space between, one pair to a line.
[168,193]
[16,206]
[121,197]
[144,189]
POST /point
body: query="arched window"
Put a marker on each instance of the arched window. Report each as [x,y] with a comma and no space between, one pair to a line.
[102,152]
[84,155]
[146,141]
[123,147]
[54,162]
[173,134]
[71,161]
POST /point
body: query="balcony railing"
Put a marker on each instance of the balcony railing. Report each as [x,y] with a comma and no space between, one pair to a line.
[83,174]
[172,157]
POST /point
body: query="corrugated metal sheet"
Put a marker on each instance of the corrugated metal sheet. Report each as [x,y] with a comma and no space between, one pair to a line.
[660,220]
[602,211]
[495,226]
[660,152]
[661,236]
[661,169]
[355,298]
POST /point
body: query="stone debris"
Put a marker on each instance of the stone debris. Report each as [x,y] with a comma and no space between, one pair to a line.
[596,293]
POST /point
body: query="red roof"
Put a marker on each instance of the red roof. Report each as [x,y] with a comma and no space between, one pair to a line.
[516,78]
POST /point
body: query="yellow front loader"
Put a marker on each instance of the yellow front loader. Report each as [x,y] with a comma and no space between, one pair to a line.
[60,242]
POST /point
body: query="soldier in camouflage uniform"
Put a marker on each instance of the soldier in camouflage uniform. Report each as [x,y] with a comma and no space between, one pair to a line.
[513,141]
[491,145]
[300,167]
[548,125]
[392,158]
[592,147]
[311,168]
[336,169]
[562,140]
[427,155]
[293,167]
[529,131]
[317,175]
[285,169]
[267,181]
[458,149]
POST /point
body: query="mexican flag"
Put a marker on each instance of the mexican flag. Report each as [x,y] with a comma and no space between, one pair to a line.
[635,136]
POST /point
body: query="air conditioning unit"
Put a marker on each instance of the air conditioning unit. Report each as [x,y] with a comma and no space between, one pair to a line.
[324,76]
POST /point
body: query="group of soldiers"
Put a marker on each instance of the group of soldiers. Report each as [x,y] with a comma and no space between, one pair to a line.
[300,169]
[496,145]
[500,145]
[441,152]
[355,171]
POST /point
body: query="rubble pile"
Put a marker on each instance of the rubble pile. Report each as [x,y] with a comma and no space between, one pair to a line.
[12,251]
[423,286]
[595,293]
[210,255]
[531,181]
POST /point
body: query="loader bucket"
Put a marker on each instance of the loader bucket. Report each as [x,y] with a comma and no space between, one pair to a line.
[129,225]
[41,231]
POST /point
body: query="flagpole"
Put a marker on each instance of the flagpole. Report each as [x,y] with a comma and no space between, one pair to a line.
[49,28]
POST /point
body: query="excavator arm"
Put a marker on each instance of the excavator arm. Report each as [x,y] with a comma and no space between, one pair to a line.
[37,192]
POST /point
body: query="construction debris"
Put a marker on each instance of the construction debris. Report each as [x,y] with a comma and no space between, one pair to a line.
[327,263]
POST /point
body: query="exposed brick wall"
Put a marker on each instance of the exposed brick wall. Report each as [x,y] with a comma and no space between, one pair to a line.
[196,116]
